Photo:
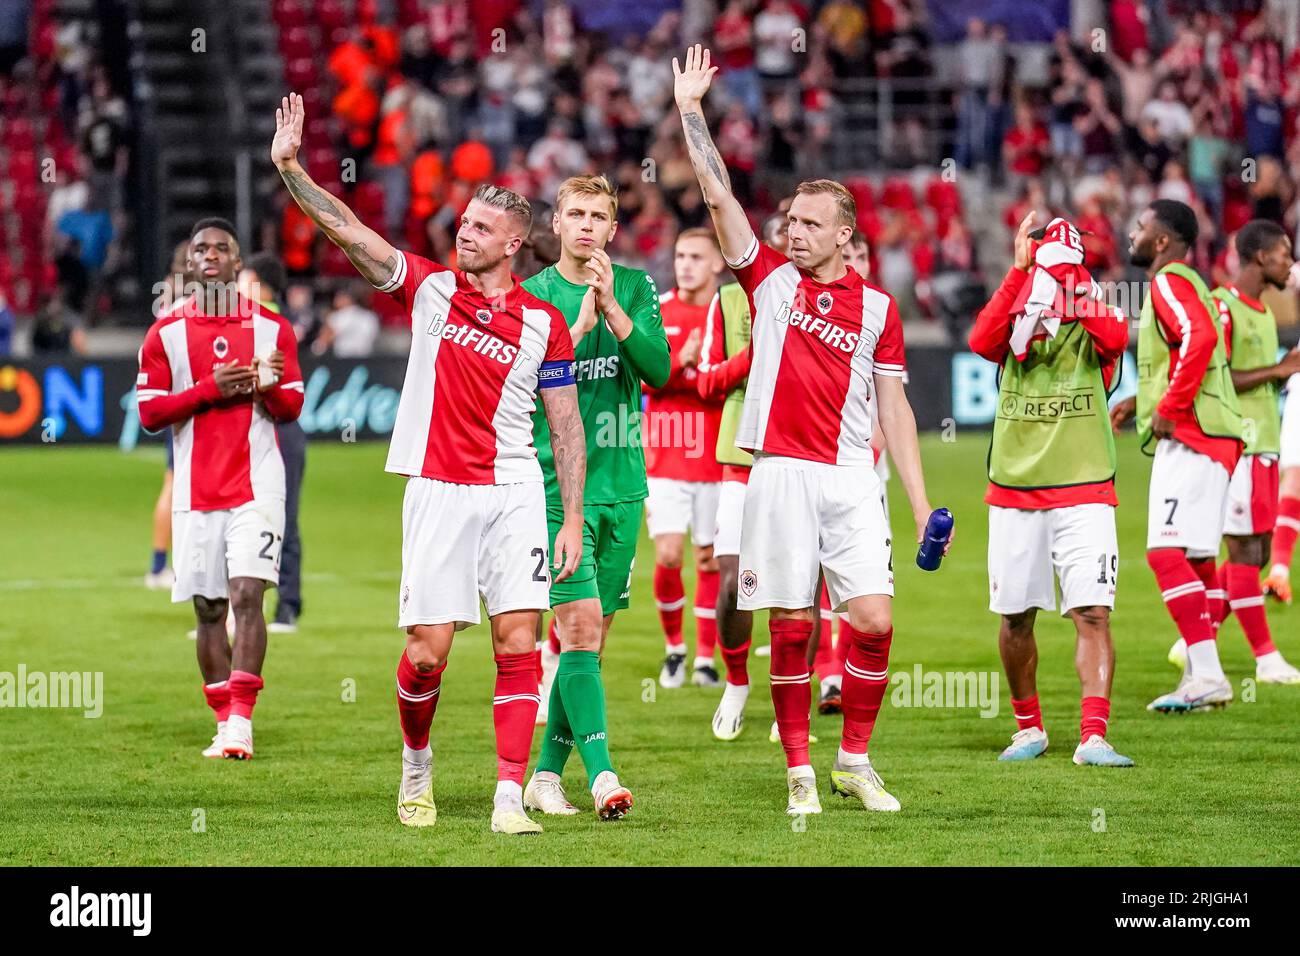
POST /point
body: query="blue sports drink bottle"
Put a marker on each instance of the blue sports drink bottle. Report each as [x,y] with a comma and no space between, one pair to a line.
[937,532]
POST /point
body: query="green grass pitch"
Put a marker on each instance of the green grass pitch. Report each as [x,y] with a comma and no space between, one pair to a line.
[131,788]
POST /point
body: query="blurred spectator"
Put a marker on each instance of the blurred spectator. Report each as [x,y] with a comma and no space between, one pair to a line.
[73,276]
[778,32]
[555,157]
[6,327]
[300,311]
[1172,118]
[1264,113]
[844,25]
[1025,147]
[733,42]
[13,34]
[351,329]
[58,330]
[1137,83]
[981,58]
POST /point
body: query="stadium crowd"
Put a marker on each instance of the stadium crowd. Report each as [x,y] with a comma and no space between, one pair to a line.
[433,97]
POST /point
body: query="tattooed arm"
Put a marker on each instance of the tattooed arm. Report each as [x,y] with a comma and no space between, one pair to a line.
[569,444]
[374,258]
[735,234]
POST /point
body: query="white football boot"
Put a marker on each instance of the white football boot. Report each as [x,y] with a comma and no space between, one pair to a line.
[729,718]
[238,743]
[862,781]
[1178,654]
[802,784]
[1274,669]
[216,749]
[1025,744]
[415,806]
[1096,751]
[1194,693]
[545,793]
[613,800]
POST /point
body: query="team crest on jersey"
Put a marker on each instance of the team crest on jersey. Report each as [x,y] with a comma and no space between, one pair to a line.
[824,303]
[220,346]
[484,316]
[748,582]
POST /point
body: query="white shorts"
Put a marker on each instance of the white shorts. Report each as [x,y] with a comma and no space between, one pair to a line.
[211,547]
[731,514]
[1291,425]
[1187,500]
[805,516]
[1029,549]
[675,506]
[463,541]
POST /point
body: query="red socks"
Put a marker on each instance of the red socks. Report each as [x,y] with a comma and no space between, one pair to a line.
[243,692]
[866,677]
[552,637]
[791,691]
[737,663]
[1095,714]
[1246,598]
[1183,591]
[218,697]
[670,598]
[514,712]
[1027,713]
[1285,530]
[417,699]
[1216,594]
[706,614]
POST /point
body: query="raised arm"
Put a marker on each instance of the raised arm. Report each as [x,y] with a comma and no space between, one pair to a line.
[374,258]
[690,83]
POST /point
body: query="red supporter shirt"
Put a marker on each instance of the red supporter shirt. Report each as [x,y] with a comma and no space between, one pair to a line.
[225,448]
[476,364]
[816,349]
[1191,332]
[991,339]
[680,425]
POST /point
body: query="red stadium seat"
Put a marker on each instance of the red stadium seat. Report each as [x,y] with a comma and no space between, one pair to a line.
[896,193]
[296,44]
[289,13]
[331,14]
[301,74]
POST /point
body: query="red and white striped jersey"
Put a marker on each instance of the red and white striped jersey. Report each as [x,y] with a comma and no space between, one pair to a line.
[476,364]
[816,347]
[225,448]
[680,427]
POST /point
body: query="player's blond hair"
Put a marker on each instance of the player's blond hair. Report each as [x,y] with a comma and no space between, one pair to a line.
[587,186]
[509,202]
[844,204]
[699,232]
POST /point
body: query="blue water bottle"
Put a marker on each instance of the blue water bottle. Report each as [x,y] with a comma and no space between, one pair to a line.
[937,532]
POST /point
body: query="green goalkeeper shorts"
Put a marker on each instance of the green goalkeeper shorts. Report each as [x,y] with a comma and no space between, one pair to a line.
[609,537]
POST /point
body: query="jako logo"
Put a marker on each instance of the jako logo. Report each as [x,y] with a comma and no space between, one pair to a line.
[103,909]
[24,401]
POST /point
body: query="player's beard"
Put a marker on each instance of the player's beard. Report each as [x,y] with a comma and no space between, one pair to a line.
[479,263]
[1139,257]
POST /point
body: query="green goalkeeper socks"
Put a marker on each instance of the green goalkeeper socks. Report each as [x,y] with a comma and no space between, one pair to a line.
[583,694]
[557,743]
